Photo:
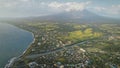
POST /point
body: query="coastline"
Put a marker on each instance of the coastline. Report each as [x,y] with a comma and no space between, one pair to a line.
[14,59]
[29,44]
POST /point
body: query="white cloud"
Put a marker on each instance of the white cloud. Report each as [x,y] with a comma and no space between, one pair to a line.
[42,3]
[114,9]
[69,6]
[8,4]
[14,3]
[99,8]
[55,5]
[24,0]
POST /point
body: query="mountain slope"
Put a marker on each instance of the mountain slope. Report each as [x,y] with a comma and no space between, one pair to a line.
[73,16]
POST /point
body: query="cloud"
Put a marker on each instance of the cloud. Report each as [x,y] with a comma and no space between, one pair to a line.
[24,0]
[114,9]
[13,3]
[99,8]
[69,6]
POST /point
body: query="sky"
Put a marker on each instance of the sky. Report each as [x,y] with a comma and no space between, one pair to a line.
[26,8]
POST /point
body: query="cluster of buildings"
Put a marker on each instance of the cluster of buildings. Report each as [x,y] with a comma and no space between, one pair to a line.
[74,57]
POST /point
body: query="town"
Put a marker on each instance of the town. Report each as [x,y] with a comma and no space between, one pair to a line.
[58,45]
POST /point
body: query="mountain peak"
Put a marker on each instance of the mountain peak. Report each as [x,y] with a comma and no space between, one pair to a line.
[84,16]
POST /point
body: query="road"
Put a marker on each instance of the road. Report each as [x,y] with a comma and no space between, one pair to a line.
[54,51]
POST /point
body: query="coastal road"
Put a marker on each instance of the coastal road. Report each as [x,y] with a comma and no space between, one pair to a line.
[54,51]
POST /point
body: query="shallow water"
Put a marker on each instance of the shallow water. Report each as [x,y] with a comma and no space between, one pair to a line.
[13,41]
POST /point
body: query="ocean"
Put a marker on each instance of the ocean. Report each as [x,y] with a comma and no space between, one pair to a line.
[13,42]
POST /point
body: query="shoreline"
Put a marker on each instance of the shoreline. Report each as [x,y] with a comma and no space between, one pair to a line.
[29,44]
[12,60]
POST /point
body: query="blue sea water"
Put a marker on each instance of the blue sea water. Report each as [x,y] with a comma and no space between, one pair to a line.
[13,41]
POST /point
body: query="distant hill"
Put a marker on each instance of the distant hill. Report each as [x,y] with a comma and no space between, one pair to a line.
[73,16]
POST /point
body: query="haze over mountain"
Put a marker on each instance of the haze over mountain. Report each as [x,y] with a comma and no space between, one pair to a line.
[84,16]
[27,8]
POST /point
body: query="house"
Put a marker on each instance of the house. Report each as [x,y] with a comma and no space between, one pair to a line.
[33,50]
[39,43]
[81,49]
[32,64]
